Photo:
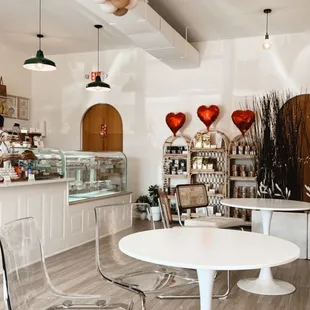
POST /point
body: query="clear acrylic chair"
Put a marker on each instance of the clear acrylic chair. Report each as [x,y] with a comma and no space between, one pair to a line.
[166,214]
[133,275]
[26,283]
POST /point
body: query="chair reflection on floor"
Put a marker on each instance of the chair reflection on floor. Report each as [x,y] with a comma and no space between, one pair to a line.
[26,283]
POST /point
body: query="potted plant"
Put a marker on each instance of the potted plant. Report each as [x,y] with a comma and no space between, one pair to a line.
[153,193]
[141,208]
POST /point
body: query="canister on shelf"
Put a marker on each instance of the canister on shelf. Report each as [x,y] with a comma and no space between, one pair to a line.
[243,192]
[241,148]
[234,149]
[242,167]
[247,150]
[234,168]
[234,173]
[251,173]
[243,173]
[235,192]
[243,214]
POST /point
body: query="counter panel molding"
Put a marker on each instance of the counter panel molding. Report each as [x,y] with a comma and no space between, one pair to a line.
[63,226]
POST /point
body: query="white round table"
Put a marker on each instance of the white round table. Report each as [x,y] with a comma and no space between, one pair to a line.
[265,284]
[208,250]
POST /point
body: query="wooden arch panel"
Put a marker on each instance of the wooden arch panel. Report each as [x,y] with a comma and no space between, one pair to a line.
[93,139]
[293,135]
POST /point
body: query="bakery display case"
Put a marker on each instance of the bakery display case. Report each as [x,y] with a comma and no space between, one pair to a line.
[96,174]
[22,164]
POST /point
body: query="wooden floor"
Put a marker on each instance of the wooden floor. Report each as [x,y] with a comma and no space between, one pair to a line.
[75,271]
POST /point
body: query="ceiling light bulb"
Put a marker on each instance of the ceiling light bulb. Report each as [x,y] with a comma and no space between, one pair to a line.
[39,66]
[267,44]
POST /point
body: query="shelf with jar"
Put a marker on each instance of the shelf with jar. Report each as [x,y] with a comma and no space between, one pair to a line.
[175,165]
[242,173]
[208,153]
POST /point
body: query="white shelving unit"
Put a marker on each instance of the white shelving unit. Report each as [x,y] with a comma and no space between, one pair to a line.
[173,177]
[241,186]
[216,154]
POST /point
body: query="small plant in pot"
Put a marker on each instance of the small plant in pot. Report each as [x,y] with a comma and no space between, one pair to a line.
[153,193]
[141,209]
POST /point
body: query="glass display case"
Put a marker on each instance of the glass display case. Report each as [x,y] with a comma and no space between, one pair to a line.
[95,174]
[21,164]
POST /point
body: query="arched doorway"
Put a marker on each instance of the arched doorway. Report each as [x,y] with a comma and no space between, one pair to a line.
[293,138]
[102,129]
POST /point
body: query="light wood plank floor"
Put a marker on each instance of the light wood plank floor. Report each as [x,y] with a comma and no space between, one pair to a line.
[75,271]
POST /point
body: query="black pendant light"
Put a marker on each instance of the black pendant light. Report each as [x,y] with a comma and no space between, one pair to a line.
[267,44]
[39,62]
[98,85]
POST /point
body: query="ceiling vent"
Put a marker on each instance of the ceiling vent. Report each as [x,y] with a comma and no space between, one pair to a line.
[148,30]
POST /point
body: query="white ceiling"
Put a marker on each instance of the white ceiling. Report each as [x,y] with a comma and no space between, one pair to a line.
[68,27]
[227,19]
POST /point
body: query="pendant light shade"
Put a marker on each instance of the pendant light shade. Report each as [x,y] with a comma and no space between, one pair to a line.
[98,85]
[267,43]
[39,62]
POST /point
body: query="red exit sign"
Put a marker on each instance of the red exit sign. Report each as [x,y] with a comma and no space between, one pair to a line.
[94,74]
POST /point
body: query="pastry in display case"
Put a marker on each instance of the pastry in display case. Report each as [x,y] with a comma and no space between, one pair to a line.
[22,164]
[95,174]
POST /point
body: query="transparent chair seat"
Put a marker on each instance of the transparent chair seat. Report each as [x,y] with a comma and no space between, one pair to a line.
[26,283]
[133,275]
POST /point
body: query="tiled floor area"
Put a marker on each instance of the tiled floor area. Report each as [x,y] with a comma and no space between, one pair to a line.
[75,271]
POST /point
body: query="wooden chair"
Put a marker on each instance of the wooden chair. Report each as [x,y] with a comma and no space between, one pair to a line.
[191,197]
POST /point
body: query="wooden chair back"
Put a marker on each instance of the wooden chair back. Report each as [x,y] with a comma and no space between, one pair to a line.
[166,208]
[191,196]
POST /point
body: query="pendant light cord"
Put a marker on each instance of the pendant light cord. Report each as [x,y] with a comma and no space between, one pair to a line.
[267,23]
[40,23]
[98,46]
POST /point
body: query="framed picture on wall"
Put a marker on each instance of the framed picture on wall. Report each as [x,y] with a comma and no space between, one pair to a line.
[9,106]
[23,108]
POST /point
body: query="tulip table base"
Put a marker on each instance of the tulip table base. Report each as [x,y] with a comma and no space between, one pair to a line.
[266,285]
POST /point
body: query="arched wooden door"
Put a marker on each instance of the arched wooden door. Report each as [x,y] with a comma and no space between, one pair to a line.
[102,129]
[294,145]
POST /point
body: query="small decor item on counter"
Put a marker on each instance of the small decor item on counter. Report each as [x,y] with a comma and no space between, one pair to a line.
[175,121]
[243,119]
[208,115]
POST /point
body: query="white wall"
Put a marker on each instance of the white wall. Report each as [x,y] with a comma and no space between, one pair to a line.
[16,78]
[144,90]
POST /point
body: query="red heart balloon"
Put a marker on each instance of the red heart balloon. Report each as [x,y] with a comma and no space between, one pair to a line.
[243,119]
[208,115]
[175,121]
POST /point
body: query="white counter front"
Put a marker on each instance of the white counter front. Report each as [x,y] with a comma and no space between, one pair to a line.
[63,226]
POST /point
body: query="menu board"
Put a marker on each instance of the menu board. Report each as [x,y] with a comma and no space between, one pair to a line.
[192,196]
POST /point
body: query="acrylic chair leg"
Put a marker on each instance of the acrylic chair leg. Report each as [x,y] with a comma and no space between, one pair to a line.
[143,303]
[223,296]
